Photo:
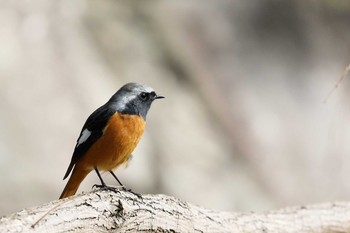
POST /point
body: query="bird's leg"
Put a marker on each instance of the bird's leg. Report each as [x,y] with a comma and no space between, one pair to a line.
[103,184]
[115,177]
[123,187]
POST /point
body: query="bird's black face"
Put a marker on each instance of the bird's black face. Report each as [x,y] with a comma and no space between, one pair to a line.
[143,102]
[149,96]
[134,99]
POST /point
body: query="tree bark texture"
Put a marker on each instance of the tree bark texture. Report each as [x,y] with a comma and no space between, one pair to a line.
[123,211]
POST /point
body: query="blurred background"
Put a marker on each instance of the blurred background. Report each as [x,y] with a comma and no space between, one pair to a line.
[244,125]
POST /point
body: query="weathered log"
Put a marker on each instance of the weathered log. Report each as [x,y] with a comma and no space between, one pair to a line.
[123,211]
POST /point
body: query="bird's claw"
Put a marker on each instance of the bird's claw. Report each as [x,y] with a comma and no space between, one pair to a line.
[115,189]
[130,191]
[105,187]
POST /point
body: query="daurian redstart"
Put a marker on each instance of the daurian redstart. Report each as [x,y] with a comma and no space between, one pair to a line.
[110,134]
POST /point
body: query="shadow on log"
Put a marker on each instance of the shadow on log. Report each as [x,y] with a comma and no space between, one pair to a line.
[123,211]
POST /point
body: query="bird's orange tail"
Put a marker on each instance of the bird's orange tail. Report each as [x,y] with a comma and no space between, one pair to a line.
[74,181]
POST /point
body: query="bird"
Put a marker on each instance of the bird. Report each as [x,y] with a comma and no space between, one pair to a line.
[109,135]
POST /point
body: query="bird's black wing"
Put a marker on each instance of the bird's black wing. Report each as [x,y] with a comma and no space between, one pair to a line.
[95,123]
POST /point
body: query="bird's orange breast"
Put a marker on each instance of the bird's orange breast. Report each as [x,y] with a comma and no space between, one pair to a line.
[120,137]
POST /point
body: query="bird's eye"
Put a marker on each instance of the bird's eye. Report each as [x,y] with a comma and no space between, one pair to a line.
[144,96]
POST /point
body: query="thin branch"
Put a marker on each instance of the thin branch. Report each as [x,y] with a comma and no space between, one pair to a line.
[342,77]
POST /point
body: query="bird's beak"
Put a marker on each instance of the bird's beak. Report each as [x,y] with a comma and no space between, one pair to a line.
[158,97]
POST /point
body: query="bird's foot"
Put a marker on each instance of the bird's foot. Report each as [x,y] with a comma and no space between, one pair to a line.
[130,191]
[116,189]
[105,187]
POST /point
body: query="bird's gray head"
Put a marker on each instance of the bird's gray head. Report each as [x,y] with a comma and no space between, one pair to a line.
[134,99]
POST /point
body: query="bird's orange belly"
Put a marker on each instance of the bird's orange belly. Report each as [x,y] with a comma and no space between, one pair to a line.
[113,148]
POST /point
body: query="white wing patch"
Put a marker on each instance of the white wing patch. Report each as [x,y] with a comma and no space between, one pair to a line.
[84,136]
